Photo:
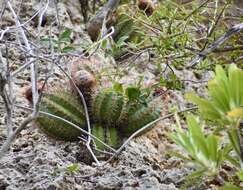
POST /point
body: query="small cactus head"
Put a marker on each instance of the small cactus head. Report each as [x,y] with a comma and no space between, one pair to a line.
[84,80]
[28,91]
[147,6]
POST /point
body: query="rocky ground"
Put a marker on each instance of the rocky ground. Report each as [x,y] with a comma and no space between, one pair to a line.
[36,162]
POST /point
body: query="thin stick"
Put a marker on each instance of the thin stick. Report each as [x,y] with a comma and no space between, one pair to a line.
[202,55]
[6,145]
[7,97]
[32,66]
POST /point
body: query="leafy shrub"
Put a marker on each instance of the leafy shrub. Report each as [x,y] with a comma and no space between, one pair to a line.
[205,152]
[225,95]
[223,108]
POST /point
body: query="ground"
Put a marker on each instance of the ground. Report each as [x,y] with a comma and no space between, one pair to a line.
[36,162]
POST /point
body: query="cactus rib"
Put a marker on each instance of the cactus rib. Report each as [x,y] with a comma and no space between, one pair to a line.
[66,106]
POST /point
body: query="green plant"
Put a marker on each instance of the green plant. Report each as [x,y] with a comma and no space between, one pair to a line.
[67,106]
[127,110]
[62,43]
[205,152]
[115,115]
[223,105]
[69,169]
[64,105]
[107,106]
[110,135]
[223,108]
[73,168]
[225,95]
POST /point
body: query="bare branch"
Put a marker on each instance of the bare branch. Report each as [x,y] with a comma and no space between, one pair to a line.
[28,47]
[28,120]
[86,113]
[202,55]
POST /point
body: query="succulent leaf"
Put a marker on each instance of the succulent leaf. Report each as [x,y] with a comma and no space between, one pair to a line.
[225,95]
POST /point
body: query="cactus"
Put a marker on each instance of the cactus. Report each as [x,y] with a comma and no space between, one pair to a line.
[67,106]
[135,115]
[114,116]
[64,105]
[106,107]
[108,135]
[84,80]
[113,109]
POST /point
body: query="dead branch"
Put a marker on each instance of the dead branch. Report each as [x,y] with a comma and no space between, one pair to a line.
[202,55]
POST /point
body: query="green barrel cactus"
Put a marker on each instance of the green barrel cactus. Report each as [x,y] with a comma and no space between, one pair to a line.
[136,114]
[106,107]
[113,109]
[68,107]
[108,135]
[114,116]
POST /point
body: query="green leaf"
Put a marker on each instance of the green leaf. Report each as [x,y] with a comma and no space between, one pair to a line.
[45,40]
[118,87]
[220,74]
[133,93]
[205,107]
[219,98]
[121,42]
[235,84]
[225,94]
[232,133]
[229,186]
[178,155]
[197,135]
[65,36]
[196,174]
[212,143]
[73,168]
[240,175]
[67,49]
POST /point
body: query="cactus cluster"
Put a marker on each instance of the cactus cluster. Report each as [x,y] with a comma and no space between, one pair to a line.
[113,116]
[113,108]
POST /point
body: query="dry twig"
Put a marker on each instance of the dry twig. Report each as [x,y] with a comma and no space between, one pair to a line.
[202,55]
